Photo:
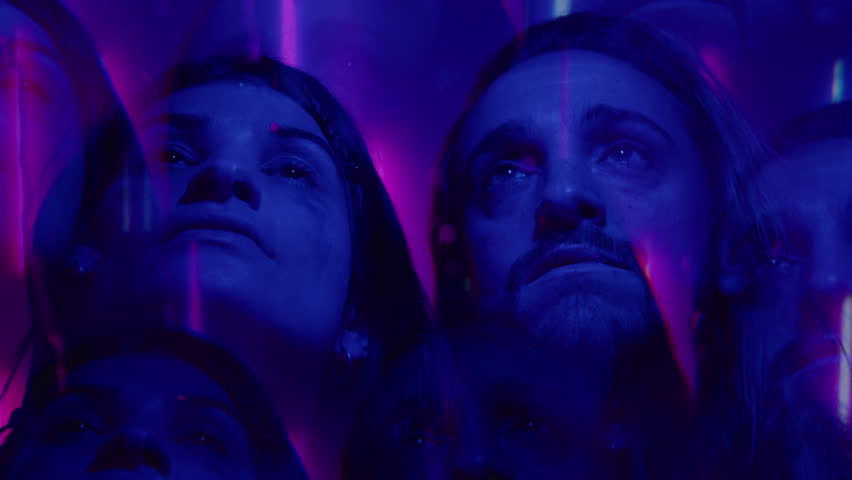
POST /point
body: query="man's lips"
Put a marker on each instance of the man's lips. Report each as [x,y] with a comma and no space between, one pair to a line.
[572,255]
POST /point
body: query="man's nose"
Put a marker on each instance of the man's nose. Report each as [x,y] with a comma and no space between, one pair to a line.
[570,198]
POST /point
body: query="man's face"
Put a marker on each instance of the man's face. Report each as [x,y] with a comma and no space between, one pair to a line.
[172,421]
[577,166]
[492,409]
[40,143]
[249,218]
[801,299]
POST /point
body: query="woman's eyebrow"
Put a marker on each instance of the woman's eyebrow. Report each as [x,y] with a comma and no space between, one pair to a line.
[293,133]
[205,402]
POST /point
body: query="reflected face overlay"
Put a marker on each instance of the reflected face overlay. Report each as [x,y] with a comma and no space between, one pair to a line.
[173,422]
[494,410]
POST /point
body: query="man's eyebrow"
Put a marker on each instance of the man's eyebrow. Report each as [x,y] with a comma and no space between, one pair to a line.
[291,133]
[183,121]
[610,114]
[506,132]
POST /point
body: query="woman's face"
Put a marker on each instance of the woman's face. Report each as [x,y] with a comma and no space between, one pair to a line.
[241,215]
[41,169]
[172,421]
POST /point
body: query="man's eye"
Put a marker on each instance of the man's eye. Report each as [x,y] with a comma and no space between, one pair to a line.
[625,155]
[510,172]
[178,156]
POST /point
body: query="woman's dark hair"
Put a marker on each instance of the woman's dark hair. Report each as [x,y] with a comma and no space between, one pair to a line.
[729,149]
[385,293]
[104,123]
[107,135]
[273,454]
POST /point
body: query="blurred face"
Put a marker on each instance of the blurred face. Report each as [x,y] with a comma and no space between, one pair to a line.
[810,268]
[40,142]
[171,422]
[576,166]
[497,410]
[248,234]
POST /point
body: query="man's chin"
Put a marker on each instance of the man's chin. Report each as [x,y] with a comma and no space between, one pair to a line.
[585,310]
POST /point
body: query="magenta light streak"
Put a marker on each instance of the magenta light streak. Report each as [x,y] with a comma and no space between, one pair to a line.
[672,296]
[844,382]
[516,12]
[713,60]
[290,33]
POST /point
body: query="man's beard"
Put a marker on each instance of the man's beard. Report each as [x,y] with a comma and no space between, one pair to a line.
[601,328]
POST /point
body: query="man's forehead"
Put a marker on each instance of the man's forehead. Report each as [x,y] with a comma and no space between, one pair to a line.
[817,170]
[553,90]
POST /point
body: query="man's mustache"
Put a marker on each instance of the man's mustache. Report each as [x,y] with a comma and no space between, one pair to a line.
[590,237]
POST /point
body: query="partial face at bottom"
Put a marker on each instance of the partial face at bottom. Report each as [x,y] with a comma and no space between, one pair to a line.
[490,408]
[136,416]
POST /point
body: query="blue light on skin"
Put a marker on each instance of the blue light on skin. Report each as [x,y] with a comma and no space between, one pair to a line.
[591,146]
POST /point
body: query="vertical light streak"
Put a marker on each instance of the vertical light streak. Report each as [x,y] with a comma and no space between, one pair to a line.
[561,8]
[837,79]
[844,380]
[290,33]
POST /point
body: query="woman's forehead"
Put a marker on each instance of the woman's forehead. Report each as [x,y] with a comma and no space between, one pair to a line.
[152,373]
[236,104]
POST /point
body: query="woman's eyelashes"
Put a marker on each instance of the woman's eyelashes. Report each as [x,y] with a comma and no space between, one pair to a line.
[289,167]
[74,425]
[203,436]
[179,155]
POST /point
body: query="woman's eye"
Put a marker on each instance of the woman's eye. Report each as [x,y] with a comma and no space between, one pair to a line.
[75,426]
[287,168]
[626,155]
[178,156]
[204,439]
[422,439]
[527,425]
